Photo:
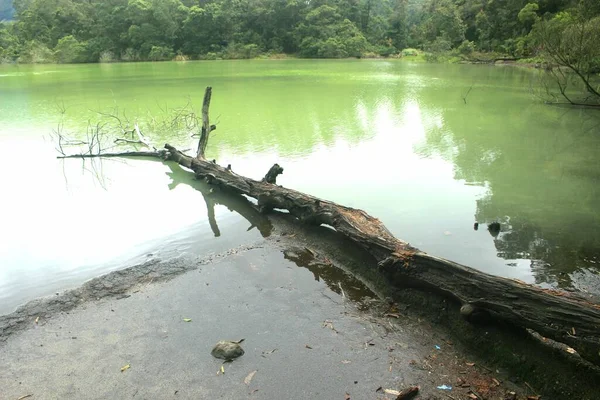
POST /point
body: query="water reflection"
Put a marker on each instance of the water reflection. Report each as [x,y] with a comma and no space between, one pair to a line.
[336,279]
[542,186]
[392,138]
[233,202]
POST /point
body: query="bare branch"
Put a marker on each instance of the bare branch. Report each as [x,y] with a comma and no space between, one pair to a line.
[206,127]
[467,94]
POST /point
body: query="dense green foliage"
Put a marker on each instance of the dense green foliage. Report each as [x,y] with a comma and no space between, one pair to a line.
[69,31]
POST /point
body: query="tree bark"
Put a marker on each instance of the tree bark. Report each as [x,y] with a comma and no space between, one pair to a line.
[562,317]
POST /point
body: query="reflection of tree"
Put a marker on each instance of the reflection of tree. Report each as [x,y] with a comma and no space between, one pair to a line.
[232,201]
[312,111]
[322,269]
[542,183]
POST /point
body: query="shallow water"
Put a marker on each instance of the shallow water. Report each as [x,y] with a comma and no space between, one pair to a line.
[396,139]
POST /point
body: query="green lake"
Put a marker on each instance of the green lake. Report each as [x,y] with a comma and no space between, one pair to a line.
[428,149]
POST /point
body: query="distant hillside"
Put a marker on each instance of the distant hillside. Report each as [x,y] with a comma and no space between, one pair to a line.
[6,10]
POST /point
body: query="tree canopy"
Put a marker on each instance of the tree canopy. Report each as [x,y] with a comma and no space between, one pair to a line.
[68,31]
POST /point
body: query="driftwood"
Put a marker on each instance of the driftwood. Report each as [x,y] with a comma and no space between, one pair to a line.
[553,314]
[557,315]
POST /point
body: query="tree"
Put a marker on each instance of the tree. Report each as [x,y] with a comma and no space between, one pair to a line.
[159,53]
[8,43]
[131,29]
[569,42]
[34,52]
[205,30]
[528,14]
[398,30]
[70,50]
[326,34]
[443,21]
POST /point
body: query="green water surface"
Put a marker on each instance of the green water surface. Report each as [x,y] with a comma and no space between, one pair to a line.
[396,139]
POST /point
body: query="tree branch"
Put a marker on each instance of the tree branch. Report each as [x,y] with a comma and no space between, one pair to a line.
[206,127]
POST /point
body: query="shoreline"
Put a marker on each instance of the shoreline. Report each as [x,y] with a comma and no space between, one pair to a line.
[355,296]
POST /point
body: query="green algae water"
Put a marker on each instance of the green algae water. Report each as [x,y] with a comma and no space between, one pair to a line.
[429,149]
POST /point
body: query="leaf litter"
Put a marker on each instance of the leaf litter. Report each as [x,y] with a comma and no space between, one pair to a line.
[248,379]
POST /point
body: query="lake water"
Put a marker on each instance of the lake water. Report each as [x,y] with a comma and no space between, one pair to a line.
[429,149]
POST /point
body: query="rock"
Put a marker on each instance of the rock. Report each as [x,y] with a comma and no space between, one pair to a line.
[494,229]
[474,314]
[227,350]
[466,311]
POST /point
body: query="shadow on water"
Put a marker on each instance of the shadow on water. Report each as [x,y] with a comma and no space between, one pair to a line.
[212,197]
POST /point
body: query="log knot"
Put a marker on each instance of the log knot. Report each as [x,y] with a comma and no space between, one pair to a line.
[271,176]
[401,256]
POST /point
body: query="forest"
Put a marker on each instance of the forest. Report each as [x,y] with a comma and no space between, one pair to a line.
[81,31]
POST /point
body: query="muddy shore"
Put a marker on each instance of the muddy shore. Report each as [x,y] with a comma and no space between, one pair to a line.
[318,322]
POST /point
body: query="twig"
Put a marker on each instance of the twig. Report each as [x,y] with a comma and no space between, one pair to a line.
[465,96]
[341,289]
[153,154]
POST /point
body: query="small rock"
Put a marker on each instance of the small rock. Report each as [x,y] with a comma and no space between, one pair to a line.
[466,311]
[227,350]
[510,396]
[474,314]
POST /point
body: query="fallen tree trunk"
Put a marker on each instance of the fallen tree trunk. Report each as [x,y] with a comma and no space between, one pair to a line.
[556,315]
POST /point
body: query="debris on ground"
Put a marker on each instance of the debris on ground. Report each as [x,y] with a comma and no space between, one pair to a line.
[408,393]
[405,394]
[227,350]
[329,324]
[248,378]
[267,352]
[510,395]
